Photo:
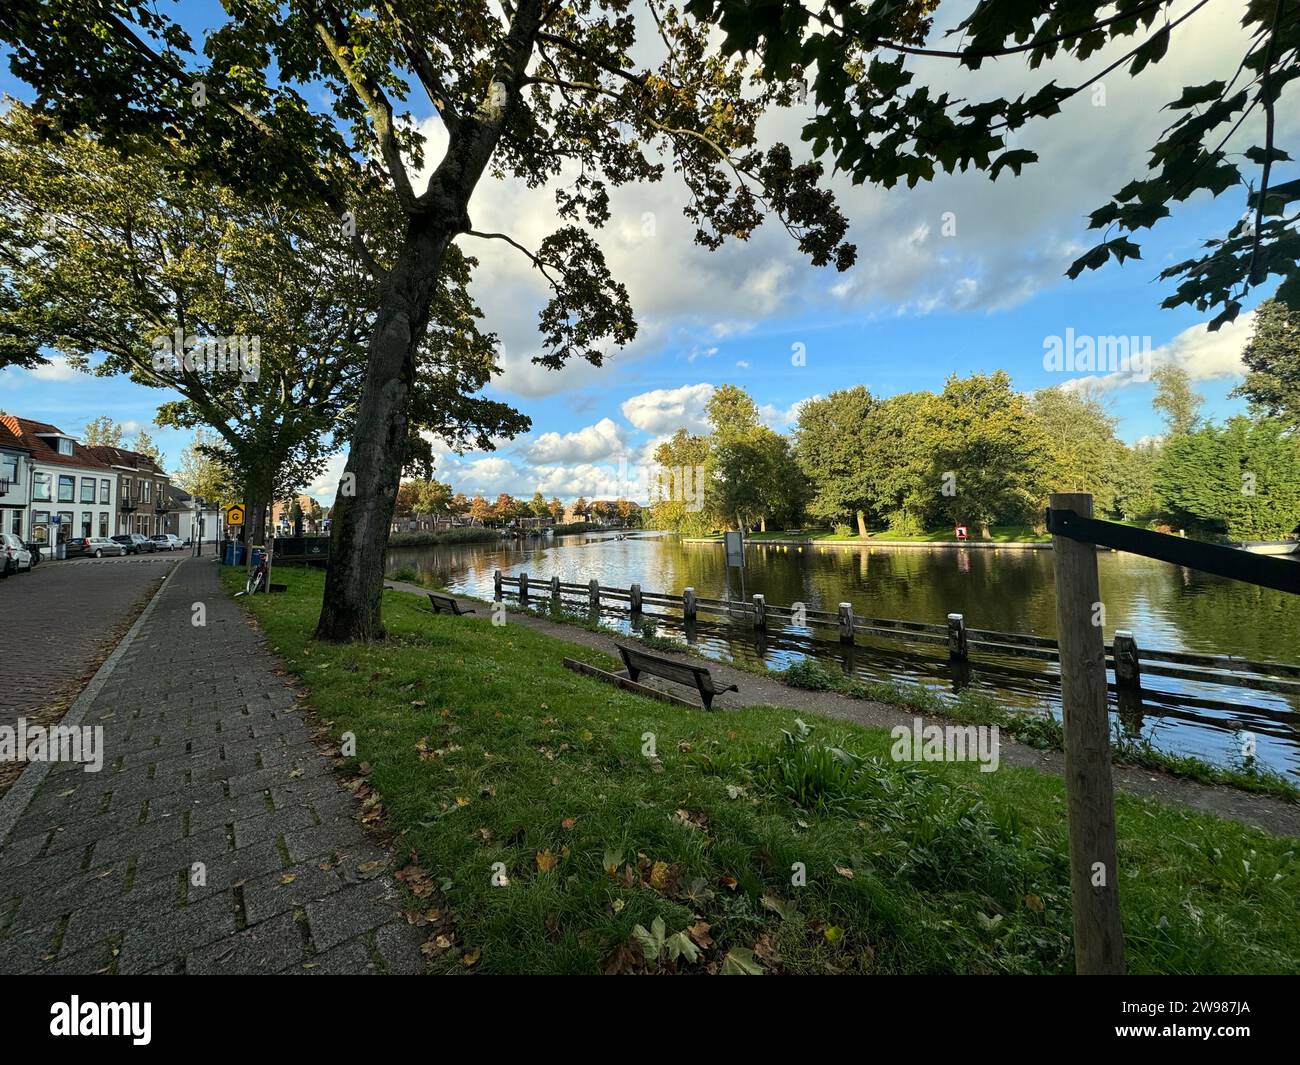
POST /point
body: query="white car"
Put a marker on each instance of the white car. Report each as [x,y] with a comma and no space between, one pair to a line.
[167,542]
[14,555]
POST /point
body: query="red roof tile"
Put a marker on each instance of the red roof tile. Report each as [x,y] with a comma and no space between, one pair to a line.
[27,431]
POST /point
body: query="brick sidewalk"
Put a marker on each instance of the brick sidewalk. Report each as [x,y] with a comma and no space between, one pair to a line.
[205,762]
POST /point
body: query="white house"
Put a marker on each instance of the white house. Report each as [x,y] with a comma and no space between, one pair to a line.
[194,520]
[15,480]
[69,491]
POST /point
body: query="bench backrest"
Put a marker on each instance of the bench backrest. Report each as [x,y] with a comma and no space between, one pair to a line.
[678,672]
[443,602]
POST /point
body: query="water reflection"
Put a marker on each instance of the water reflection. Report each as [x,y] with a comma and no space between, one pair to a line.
[1006,589]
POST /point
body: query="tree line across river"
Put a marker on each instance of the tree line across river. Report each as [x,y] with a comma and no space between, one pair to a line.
[980,454]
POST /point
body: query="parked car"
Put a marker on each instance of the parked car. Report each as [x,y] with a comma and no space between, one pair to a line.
[14,554]
[135,543]
[167,542]
[92,547]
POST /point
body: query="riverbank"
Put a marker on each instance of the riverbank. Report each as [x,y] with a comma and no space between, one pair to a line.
[470,535]
[559,816]
[1012,536]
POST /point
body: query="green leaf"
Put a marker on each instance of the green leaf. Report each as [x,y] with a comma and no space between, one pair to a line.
[740,962]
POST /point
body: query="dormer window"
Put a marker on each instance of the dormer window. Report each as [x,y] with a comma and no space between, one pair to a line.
[65,446]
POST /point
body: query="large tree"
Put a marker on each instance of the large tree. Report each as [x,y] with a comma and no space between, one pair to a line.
[1272,359]
[111,260]
[832,439]
[536,89]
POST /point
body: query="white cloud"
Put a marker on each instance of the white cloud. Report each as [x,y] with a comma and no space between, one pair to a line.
[1204,355]
[776,418]
[57,369]
[669,409]
[599,441]
[326,485]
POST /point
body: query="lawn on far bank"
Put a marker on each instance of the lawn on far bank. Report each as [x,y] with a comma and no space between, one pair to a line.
[1000,534]
[574,827]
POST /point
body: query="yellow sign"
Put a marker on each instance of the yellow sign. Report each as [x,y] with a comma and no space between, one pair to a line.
[235,514]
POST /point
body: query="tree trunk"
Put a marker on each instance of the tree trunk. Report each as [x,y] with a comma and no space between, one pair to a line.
[762,523]
[363,507]
[862,525]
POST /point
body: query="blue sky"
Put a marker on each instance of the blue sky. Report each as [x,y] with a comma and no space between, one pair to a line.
[920,305]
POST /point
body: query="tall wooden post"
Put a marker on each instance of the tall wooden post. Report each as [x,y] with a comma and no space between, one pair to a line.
[957,648]
[760,611]
[846,623]
[634,595]
[1094,877]
[593,594]
[523,589]
[496,585]
[555,593]
[688,605]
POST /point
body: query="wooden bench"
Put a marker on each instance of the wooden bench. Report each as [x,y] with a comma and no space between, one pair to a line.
[697,677]
[446,604]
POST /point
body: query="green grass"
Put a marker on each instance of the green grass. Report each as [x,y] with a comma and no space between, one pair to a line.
[1000,534]
[451,536]
[485,750]
[1037,730]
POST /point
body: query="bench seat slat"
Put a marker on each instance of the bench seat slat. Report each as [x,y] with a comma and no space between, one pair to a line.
[683,673]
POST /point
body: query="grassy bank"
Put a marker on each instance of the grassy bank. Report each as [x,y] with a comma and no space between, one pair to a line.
[451,536]
[488,755]
[998,534]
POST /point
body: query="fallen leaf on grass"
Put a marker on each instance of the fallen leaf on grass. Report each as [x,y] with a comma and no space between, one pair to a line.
[546,861]
[471,959]
[740,962]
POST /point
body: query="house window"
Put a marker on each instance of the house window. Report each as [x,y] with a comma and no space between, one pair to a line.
[9,468]
[41,488]
[103,523]
[65,526]
[67,488]
[16,523]
[105,490]
[65,446]
[87,523]
[146,491]
[87,489]
[41,526]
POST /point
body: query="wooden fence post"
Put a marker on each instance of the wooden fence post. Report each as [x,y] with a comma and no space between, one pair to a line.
[523,589]
[555,593]
[957,650]
[635,596]
[593,594]
[1128,670]
[1094,878]
[760,612]
[496,585]
[846,623]
[688,605]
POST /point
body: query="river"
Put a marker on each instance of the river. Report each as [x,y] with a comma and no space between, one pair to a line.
[1006,589]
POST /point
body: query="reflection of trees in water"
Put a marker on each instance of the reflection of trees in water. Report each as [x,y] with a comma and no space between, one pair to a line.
[1009,590]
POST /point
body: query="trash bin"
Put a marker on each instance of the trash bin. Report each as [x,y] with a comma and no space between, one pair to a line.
[259,554]
[234,554]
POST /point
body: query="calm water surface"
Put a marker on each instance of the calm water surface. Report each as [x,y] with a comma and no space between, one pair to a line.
[1166,607]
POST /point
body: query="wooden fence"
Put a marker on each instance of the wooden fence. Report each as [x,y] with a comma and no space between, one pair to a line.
[1129,661]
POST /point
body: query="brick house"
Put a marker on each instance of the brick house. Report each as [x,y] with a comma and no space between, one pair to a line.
[144,492]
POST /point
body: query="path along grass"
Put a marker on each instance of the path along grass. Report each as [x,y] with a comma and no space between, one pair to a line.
[492,758]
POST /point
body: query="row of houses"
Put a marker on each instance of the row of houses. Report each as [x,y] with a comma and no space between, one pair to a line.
[53,488]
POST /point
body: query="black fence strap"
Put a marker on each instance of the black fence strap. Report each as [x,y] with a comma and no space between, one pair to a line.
[1267,571]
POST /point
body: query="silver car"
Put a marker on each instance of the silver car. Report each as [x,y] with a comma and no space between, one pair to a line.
[14,555]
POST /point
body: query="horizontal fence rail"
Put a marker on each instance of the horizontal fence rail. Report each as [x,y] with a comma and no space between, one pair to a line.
[1130,665]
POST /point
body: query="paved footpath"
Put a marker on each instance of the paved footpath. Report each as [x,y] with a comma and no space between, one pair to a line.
[206,761]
